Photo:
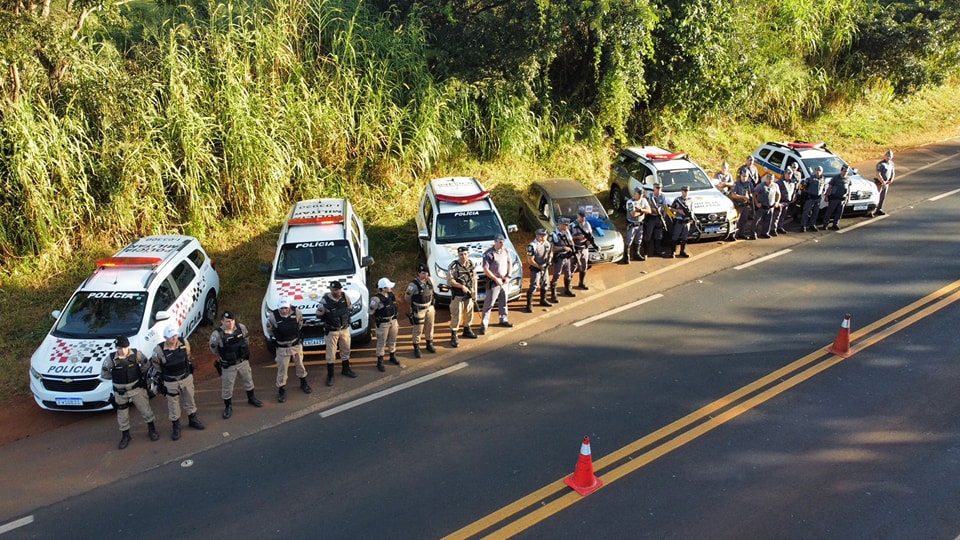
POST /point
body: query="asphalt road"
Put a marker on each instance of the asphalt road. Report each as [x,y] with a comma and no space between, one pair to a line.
[818,447]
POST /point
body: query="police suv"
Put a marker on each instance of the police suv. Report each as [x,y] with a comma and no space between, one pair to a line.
[322,240]
[457,211]
[774,157]
[154,282]
[642,166]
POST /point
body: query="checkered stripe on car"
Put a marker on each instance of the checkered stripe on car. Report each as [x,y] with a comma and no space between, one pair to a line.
[82,351]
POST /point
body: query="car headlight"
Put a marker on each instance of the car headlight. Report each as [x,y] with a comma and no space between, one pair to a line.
[34,373]
[357,305]
[441,272]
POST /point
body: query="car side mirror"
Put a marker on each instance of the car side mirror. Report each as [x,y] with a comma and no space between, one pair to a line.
[162,315]
[512,228]
[265,267]
[543,217]
[56,313]
[423,235]
[366,261]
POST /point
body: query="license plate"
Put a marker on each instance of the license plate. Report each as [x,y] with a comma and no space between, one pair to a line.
[859,207]
[69,401]
[713,229]
[313,342]
[597,256]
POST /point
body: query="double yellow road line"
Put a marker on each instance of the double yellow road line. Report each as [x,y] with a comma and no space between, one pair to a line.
[556,496]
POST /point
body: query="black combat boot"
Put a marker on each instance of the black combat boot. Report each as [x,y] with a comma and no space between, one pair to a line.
[543,298]
[553,293]
[529,308]
[626,256]
[683,251]
[346,371]
[124,439]
[637,255]
[195,422]
[566,288]
[469,333]
[282,394]
[227,408]
[380,367]
[152,431]
[175,435]
[330,374]
[416,350]
[394,361]
[304,386]
[430,348]
[454,342]
[252,399]
[581,285]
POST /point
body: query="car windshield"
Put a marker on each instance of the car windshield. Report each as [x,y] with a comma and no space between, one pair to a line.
[470,226]
[569,207]
[102,315]
[313,259]
[831,165]
[674,179]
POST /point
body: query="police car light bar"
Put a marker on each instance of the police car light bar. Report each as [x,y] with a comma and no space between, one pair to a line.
[464,199]
[805,145]
[667,157]
[110,262]
[325,220]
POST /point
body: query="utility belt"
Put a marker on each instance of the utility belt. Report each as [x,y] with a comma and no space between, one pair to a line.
[331,329]
[293,343]
[381,320]
[766,206]
[231,363]
[175,378]
[631,224]
[122,390]
[835,198]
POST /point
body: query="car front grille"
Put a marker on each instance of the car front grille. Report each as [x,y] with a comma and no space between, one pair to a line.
[70,385]
[860,195]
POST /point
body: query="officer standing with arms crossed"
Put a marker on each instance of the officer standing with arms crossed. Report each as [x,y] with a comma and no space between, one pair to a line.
[582,234]
[283,326]
[463,291]
[420,294]
[749,172]
[681,224]
[837,192]
[654,225]
[496,266]
[788,194]
[173,357]
[767,195]
[637,209]
[126,368]
[383,308]
[231,343]
[334,311]
[813,188]
[562,246]
[886,173]
[538,253]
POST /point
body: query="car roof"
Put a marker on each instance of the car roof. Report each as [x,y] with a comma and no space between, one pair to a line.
[563,188]
[643,153]
[133,267]
[469,189]
[316,219]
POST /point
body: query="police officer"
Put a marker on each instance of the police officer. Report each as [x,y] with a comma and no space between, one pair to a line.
[538,257]
[420,294]
[886,173]
[681,226]
[126,368]
[497,266]
[838,190]
[813,188]
[582,234]
[637,209]
[742,195]
[748,171]
[463,291]
[283,328]
[173,357]
[767,195]
[655,224]
[788,194]
[561,242]
[723,179]
[334,311]
[231,343]
[383,308]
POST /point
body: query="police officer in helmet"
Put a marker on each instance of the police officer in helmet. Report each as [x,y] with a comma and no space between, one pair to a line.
[334,311]
[231,343]
[383,309]
[173,357]
[126,368]
[283,329]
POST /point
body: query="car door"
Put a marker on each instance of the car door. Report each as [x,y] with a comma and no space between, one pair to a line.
[189,305]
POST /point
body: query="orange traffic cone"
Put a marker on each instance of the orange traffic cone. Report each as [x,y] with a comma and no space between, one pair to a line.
[841,345]
[583,481]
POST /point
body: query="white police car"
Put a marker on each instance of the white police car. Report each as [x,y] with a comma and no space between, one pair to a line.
[643,166]
[322,240]
[154,282]
[457,211]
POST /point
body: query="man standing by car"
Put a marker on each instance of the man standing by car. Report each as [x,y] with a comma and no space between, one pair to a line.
[538,256]
[637,209]
[562,246]
[420,294]
[837,192]
[463,290]
[788,193]
[886,173]
[383,309]
[496,266]
[283,329]
[723,179]
[749,172]
[126,368]
[681,226]
[231,344]
[334,311]
[742,195]
[767,195]
[173,357]
[813,188]
[582,234]
[654,225]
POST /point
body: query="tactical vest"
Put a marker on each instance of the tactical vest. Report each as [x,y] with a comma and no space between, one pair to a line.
[233,348]
[425,294]
[540,252]
[286,329]
[581,230]
[337,315]
[388,308]
[464,274]
[125,370]
[176,365]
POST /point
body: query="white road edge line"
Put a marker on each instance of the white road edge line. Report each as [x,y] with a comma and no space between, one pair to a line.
[928,165]
[862,223]
[7,527]
[942,195]
[388,391]
[589,320]
[761,259]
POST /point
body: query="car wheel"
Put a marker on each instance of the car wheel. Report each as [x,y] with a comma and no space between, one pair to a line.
[616,198]
[209,309]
